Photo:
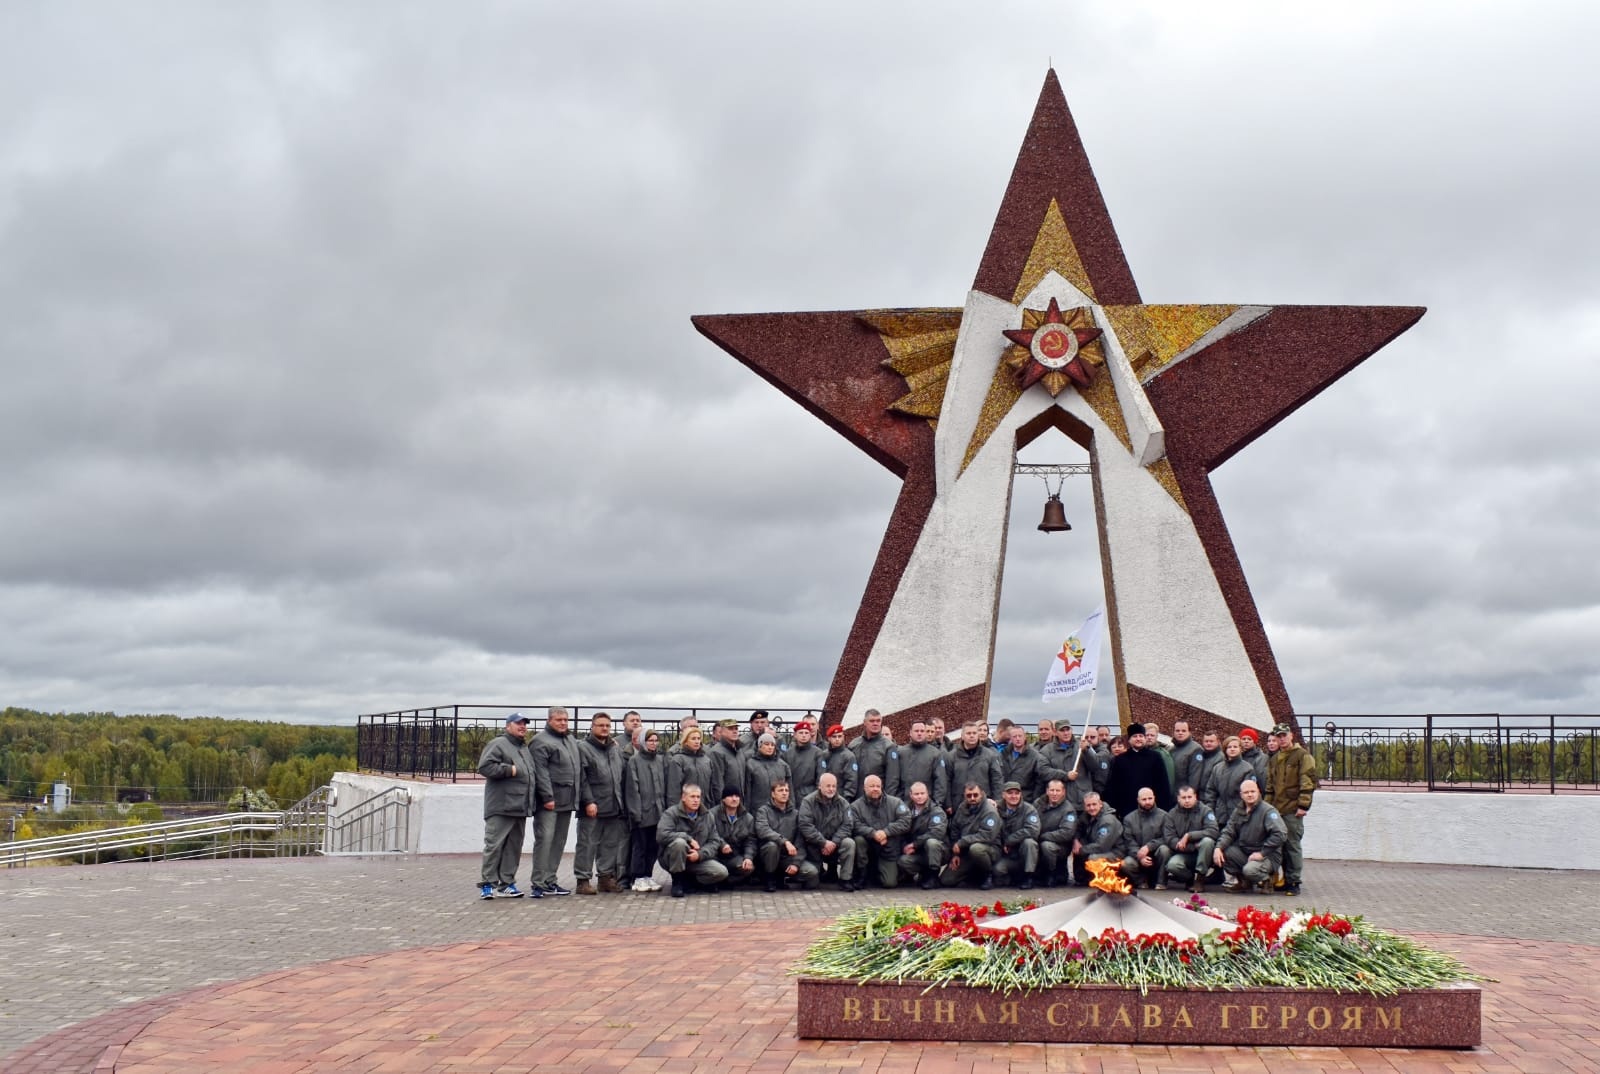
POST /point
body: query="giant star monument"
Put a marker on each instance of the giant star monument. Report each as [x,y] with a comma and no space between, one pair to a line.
[1054,335]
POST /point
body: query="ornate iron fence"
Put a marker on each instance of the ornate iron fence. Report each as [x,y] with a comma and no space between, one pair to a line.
[1458,752]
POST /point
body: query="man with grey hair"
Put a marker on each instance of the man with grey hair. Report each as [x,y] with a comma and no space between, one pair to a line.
[558,769]
[762,769]
[686,837]
[508,782]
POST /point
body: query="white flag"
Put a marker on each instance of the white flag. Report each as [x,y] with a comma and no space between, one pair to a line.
[1074,668]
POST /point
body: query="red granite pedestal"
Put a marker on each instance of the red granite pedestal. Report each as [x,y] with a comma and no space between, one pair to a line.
[1448,1017]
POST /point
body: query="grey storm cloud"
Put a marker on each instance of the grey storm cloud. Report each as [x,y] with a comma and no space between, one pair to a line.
[347,364]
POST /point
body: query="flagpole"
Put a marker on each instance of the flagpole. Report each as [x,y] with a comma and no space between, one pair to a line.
[1077,762]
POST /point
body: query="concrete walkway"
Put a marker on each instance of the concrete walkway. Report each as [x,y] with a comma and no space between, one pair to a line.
[202,966]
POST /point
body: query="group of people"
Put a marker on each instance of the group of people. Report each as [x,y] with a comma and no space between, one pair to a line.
[938,811]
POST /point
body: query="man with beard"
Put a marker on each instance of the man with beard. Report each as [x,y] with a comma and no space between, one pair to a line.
[1058,827]
[1187,840]
[1019,837]
[827,827]
[736,837]
[1251,844]
[558,768]
[923,762]
[1099,837]
[782,850]
[1139,767]
[644,792]
[1141,837]
[804,758]
[603,826]
[508,801]
[881,821]
[922,854]
[876,755]
[974,834]
[975,762]
[840,760]
[685,836]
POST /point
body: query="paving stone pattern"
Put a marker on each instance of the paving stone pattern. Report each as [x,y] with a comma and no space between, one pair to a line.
[142,950]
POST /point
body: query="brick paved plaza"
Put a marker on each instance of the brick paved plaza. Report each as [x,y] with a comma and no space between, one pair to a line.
[362,964]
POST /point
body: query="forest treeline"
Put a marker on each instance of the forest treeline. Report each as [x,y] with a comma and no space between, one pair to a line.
[175,758]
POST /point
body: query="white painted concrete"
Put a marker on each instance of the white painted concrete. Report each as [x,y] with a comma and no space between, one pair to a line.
[446,818]
[1525,831]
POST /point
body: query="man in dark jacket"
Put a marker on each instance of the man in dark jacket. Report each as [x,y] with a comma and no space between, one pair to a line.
[1099,838]
[507,769]
[881,822]
[1142,832]
[603,826]
[974,761]
[876,755]
[922,854]
[764,766]
[1020,763]
[841,761]
[1252,843]
[804,758]
[782,850]
[974,837]
[827,827]
[1019,837]
[558,768]
[1187,840]
[1058,827]
[685,836]
[1078,765]
[736,832]
[1139,767]
[922,761]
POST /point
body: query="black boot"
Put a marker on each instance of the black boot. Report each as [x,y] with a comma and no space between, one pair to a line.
[679,888]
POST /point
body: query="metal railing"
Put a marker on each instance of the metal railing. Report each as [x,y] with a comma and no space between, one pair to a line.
[380,825]
[1459,752]
[1455,752]
[443,742]
[298,831]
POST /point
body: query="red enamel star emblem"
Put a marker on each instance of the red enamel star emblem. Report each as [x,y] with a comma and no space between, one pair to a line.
[1054,349]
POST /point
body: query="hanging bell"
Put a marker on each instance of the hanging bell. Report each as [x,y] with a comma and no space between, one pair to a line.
[1055,516]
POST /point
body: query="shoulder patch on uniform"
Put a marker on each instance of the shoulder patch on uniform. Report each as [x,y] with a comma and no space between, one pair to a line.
[1211,817]
[988,822]
[1033,818]
[902,808]
[854,767]
[894,755]
[937,818]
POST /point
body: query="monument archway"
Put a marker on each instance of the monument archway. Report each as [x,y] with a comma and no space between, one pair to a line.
[1054,335]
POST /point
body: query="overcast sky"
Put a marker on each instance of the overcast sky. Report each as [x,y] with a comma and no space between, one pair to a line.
[346,365]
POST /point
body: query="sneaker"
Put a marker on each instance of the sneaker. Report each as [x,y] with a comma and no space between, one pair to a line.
[1232,883]
[655,885]
[485,891]
[535,892]
[1160,887]
[507,891]
[556,889]
[640,885]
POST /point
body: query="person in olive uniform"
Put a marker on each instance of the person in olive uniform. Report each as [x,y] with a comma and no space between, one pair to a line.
[508,791]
